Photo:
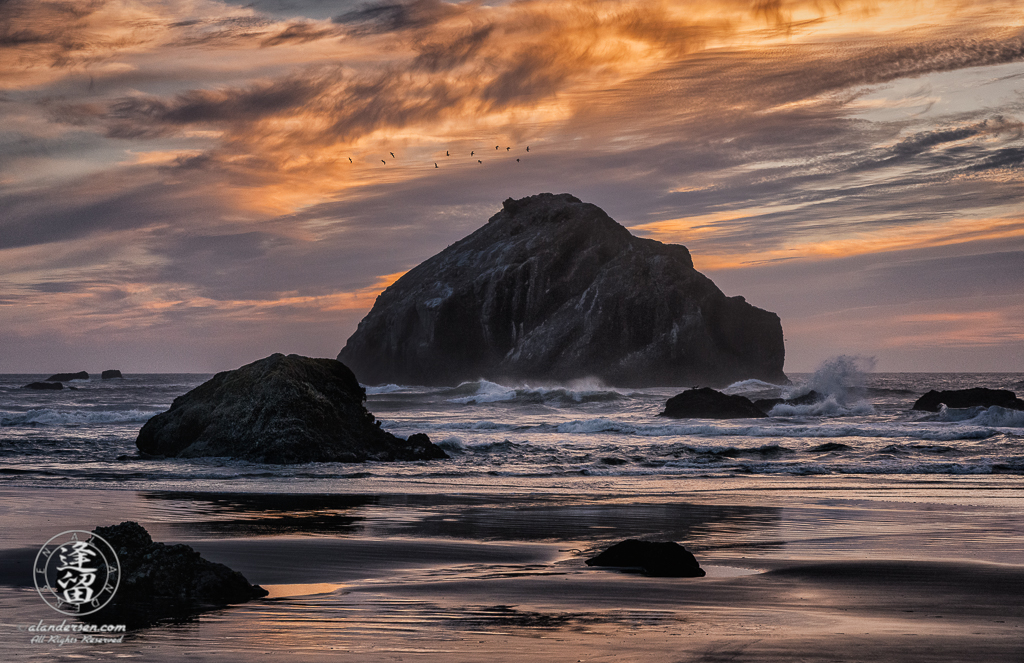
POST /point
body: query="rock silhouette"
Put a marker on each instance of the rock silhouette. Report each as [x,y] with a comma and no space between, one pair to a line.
[665,559]
[281,409]
[552,289]
[964,398]
[160,581]
[706,403]
[67,377]
[44,385]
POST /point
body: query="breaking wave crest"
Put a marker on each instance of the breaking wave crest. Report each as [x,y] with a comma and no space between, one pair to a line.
[483,391]
[47,417]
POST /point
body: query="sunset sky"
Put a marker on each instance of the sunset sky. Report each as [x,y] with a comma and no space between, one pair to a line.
[191,185]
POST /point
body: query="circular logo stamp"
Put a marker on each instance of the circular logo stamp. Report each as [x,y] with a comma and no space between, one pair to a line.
[77,572]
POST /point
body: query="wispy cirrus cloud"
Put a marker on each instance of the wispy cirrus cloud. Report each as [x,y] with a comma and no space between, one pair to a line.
[233,161]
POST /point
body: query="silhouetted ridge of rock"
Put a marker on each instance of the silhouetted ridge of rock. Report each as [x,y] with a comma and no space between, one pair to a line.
[111,374]
[706,403]
[552,289]
[666,559]
[44,385]
[281,409]
[964,398]
[68,377]
[160,581]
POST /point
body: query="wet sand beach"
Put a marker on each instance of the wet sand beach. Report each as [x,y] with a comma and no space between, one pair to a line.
[908,573]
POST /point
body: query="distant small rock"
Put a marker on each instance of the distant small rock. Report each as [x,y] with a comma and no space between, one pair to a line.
[810,398]
[281,409]
[707,403]
[160,581]
[44,385]
[67,377]
[111,374]
[663,559]
[964,398]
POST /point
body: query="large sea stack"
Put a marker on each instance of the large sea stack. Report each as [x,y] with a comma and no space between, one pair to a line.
[281,409]
[552,289]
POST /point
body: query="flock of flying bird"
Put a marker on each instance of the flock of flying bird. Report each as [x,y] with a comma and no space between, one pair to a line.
[472,153]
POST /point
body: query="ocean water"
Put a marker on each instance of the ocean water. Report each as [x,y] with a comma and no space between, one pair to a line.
[528,434]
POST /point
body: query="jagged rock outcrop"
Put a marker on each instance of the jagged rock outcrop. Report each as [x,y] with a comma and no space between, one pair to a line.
[282,409]
[706,403]
[111,374]
[552,289]
[964,398]
[666,559]
[68,377]
[160,581]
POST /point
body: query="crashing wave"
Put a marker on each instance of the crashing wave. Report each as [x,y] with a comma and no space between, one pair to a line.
[47,417]
[829,407]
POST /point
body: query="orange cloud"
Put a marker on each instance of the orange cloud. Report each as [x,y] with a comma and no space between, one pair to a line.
[816,245]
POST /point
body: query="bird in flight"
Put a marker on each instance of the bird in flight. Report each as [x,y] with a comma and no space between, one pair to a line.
[392,154]
[350,159]
[478,161]
[446,153]
[527,148]
[517,160]
[471,153]
[435,164]
[507,149]
[384,162]
[495,147]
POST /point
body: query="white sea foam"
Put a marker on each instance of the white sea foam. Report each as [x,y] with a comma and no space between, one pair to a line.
[998,417]
[758,388]
[830,407]
[842,377]
[912,431]
[486,392]
[49,417]
[384,389]
[452,443]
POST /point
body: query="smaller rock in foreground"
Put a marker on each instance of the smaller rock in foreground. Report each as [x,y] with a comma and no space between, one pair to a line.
[44,385]
[662,559]
[68,377]
[707,403]
[964,398]
[160,581]
[111,374]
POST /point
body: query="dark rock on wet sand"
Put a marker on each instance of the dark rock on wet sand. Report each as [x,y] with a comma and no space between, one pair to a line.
[44,385]
[160,581]
[282,409]
[666,559]
[552,289]
[67,377]
[707,403]
[111,374]
[810,398]
[964,398]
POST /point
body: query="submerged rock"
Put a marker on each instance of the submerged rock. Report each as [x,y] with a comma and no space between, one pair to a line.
[43,385]
[160,581]
[111,374]
[665,559]
[552,289]
[964,398]
[67,377]
[706,403]
[282,409]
